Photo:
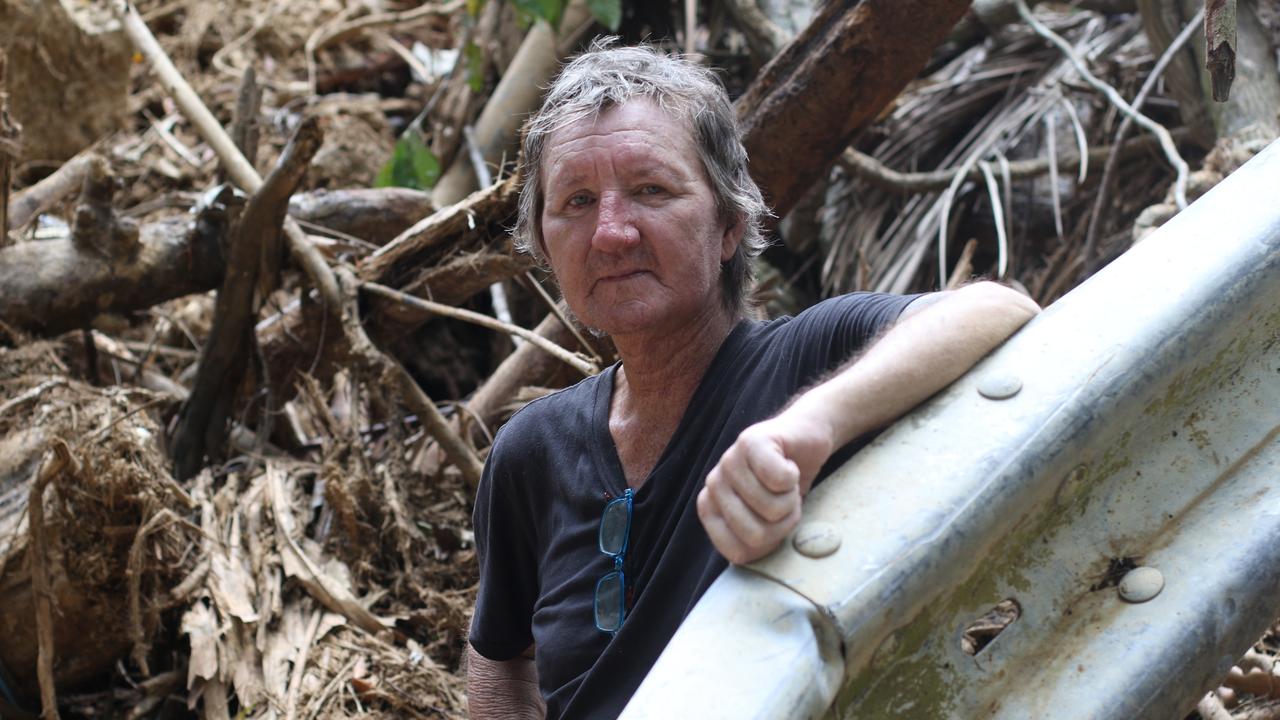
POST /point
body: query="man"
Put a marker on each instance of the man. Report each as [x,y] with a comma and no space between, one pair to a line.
[608,508]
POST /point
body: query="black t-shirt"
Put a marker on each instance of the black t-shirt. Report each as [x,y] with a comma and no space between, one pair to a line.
[554,466]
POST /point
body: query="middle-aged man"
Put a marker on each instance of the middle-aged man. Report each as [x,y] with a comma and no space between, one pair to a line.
[608,508]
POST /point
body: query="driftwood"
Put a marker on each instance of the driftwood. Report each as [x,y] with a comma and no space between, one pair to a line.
[49,287]
[829,82]
[447,257]
[373,215]
[253,262]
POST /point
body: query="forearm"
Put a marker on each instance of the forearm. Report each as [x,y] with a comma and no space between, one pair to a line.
[919,356]
[503,690]
[752,497]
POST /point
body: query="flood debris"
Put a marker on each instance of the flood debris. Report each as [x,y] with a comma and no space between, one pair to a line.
[241,421]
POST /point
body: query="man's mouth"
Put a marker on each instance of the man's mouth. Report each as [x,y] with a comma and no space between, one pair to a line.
[621,276]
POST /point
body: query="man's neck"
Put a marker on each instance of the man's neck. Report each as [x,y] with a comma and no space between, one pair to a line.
[652,389]
[669,367]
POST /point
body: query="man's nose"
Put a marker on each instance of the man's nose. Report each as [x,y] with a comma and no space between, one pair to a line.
[615,224]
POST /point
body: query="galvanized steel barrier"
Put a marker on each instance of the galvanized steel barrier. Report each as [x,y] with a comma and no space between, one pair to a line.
[1146,431]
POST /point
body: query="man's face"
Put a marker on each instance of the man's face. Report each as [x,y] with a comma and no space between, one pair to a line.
[629,223]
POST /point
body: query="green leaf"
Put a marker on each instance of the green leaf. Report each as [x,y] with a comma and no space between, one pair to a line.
[412,165]
[549,10]
[608,12]
[474,58]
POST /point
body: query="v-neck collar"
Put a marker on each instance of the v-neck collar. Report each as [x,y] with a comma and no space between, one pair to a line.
[608,462]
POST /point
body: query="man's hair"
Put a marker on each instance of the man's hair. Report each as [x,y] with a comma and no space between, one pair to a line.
[605,77]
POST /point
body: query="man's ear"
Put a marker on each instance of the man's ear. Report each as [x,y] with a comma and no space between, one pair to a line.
[734,229]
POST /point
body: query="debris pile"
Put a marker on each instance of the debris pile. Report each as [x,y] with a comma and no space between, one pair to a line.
[255,338]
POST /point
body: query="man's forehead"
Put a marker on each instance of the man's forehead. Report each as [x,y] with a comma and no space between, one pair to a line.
[639,132]
[641,114]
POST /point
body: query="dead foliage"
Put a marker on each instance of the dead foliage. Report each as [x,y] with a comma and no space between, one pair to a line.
[320,563]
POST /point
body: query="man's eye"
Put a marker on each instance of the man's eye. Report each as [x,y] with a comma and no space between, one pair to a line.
[578,200]
[651,190]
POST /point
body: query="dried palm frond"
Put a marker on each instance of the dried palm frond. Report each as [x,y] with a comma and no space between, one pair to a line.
[1011,97]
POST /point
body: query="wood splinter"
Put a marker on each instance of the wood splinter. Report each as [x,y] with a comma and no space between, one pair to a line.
[1220,45]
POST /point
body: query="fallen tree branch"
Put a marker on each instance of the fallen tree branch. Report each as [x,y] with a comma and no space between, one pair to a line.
[31,394]
[252,271]
[53,286]
[764,36]
[835,77]
[28,203]
[1112,95]
[374,215]
[885,178]
[237,167]
[457,449]
[526,366]
[323,587]
[579,363]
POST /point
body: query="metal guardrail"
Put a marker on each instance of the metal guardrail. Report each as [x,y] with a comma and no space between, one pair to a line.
[1146,432]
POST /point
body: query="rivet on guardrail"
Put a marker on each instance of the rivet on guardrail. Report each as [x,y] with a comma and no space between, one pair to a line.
[816,539]
[1141,584]
[999,386]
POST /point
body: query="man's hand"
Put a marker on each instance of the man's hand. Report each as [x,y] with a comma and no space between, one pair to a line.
[752,497]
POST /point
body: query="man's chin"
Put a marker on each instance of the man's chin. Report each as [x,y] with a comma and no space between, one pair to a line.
[577,323]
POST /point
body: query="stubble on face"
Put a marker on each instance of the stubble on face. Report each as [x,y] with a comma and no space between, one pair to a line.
[664,268]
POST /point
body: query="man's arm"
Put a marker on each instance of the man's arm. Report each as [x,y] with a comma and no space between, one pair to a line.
[752,497]
[503,690]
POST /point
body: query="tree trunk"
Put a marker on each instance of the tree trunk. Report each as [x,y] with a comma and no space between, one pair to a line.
[830,82]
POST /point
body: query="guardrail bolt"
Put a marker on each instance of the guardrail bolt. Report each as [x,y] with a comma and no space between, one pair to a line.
[1141,584]
[999,386]
[816,539]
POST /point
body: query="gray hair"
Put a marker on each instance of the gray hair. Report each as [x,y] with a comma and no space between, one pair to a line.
[605,77]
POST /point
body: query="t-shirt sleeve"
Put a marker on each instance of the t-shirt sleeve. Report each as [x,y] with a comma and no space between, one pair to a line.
[502,625]
[844,326]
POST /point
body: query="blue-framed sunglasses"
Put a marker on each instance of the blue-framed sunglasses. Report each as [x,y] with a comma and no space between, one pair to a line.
[610,603]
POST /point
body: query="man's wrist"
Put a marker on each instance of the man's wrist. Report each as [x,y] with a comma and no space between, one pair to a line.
[829,418]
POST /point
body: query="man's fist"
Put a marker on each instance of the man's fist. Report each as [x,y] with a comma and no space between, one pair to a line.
[752,497]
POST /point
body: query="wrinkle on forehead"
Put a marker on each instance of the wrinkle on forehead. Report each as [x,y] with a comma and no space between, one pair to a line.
[639,156]
[661,145]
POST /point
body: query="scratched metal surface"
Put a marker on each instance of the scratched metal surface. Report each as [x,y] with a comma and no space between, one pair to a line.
[1146,428]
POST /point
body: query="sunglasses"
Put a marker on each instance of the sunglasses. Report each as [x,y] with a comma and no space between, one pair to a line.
[610,602]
